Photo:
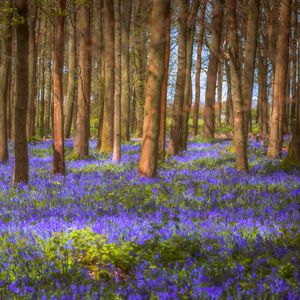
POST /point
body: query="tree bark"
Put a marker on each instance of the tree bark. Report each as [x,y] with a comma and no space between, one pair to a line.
[117,96]
[82,135]
[279,94]
[32,19]
[20,174]
[198,69]
[209,107]
[109,58]
[71,72]
[249,62]
[125,94]
[149,155]
[174,141]
[220,91]
[187,99]
[239,138]
[164,92]
[58,121]
[5,77]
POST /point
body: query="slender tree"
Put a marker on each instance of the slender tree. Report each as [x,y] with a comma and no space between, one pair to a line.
[32,20]
[239,139]
[164,93]
[125,94]
[20,110]
[81,144]
[58,122]
[249,61]
[174,141]
[149,155]
[187,99]
[198,68]
[209,108]
[117,97]
[107,130]
[279,93]
[5,76]
[72,57]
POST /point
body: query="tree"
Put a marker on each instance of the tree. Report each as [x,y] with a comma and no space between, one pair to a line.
[117,97]
[72,58]
[239,137]
[209,108]
[20,173]
[198,68]
[58,121]
[187,99]
[164,92]
[82,135]
[279,87]
[174,141]
[109,66]
[249,62]
[125,93]
[5,71]
[149,155]
[32,20]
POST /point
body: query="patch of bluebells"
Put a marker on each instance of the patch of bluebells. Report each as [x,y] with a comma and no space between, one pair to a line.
[215,233]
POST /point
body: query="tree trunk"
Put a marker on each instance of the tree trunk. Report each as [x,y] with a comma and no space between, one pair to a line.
[164,92]
[220,90]
[82,135]
[198,69]
[71,73]
[5,77]
[209,107]
[229,104]
[32,18]
[117,97]
[58,121]
[279,94]
[125,94]
[263,92]
[20,150]
[249,62]
[187,99]
[149,155]
[108,112]
[139,44]
[174,141]
[239,138]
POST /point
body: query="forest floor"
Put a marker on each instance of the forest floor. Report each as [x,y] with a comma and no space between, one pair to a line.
[200,230]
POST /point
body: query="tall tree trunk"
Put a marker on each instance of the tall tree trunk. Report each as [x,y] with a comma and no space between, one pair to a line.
[101,63]
[20,110]
[187,99]
[82,135]
[164,92]
[220,91]
[125,94]
[139,44]
[209,108]
[263,92]
[71,73]
[249,62]
[107,130]
[198,68]
[5,77]
[117,97]
[149,155]
[279,94]
[58,121]
[174,141]
[239,138]
[32,19]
